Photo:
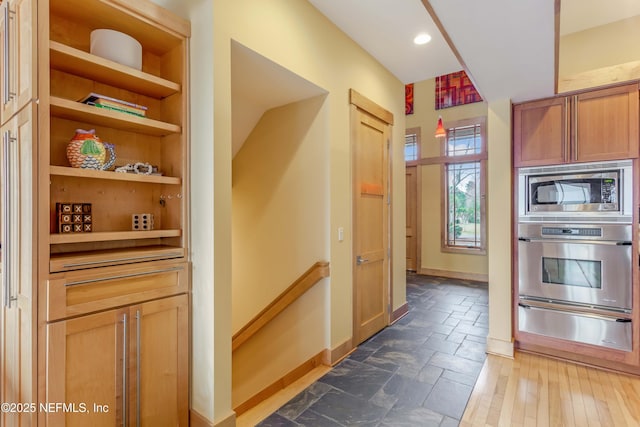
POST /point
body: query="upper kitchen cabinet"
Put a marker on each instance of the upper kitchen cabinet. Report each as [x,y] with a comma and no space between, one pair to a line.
[589,126]
[540,132]
[18,52]
[605,124]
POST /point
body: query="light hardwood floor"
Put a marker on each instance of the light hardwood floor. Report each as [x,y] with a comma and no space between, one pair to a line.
[532,390]
[528,390]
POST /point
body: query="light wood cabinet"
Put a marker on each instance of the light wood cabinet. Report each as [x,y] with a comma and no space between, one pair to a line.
[67,296]
[115,365]
[540,132]
[590,126]
[18,56]
[17,346]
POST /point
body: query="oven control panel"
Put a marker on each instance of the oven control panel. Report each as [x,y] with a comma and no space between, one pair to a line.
[572,231]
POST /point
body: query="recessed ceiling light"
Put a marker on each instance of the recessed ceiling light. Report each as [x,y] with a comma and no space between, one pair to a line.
[422,38]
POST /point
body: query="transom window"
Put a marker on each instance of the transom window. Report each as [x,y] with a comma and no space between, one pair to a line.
[410,147]
[464,140]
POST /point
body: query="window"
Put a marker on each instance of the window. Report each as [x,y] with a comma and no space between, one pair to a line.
[412,145]
[464,183]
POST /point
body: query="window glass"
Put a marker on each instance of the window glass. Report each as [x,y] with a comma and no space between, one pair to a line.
[410,147]
[463,225]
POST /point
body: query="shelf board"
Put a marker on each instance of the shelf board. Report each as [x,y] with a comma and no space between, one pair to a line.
[93,67]
[106,257]
[114,176]
[58,239]
[72,110]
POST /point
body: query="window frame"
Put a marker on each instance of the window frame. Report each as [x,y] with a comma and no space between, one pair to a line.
[447,160]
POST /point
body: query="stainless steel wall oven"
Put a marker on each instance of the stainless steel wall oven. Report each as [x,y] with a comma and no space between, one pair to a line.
[575,253]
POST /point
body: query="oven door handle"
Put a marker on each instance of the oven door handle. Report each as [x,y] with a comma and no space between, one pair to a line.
[576,241]
[577,313]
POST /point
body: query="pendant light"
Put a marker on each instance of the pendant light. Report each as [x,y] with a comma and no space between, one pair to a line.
[440,132]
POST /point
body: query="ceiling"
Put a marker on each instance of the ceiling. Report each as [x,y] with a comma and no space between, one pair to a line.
[578,15]
[507,46]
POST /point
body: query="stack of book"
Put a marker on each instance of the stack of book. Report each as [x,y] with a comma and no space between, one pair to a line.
[108,103]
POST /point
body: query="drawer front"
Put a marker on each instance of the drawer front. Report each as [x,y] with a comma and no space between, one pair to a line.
[76,293]
[601,331]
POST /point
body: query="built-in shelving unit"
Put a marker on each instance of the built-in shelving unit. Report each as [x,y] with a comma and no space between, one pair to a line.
[78,62]
[157,139]
[127,274]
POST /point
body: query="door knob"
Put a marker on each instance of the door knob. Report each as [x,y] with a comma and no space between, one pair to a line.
[360,260]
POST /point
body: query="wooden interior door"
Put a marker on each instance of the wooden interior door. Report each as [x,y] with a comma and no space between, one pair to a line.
[412,217]
[371,140]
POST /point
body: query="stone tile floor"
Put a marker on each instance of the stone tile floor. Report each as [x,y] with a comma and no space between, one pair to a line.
[418,372]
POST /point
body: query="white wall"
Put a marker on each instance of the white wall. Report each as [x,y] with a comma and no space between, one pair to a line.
[200,13]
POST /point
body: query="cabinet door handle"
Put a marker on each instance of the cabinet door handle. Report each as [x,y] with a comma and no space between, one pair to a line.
[5,57]
[122,276]
[125,325]
[6,188]
[126,259]
[8,94]
[138,351]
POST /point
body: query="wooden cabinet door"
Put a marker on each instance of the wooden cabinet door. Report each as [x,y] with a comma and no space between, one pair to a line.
[17,346]
[160,355]
[606,124]
[87,361]
[18,54]
[540,132]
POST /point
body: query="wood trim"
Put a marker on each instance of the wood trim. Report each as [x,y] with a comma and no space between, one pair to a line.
[289,378]
[197,420]
[447,38]
[576,357]
[313,275]
[428,161]
[399,313]
[332,357]
[476,277]
[615,74]
[370,107]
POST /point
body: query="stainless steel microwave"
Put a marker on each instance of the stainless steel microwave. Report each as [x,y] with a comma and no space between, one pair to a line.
[589,191]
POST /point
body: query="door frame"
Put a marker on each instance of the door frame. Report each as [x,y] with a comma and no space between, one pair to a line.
[358,101]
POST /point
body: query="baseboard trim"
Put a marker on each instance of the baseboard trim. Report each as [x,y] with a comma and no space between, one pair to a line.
[399,313]
[500,347]
[289,378]
[198,420]
[476,277]
[331,357]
